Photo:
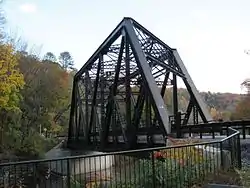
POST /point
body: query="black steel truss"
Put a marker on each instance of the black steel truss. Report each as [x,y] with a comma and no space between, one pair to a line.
[117,96]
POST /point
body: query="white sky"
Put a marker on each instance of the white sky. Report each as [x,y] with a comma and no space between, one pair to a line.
[211,36]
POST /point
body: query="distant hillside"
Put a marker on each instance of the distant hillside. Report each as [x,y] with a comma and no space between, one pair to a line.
[223,104]
[221,101]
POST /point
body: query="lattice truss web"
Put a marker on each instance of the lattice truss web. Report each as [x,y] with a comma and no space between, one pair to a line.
[119,95]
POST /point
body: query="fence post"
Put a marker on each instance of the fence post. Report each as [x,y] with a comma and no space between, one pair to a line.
[68,173]
[221,155]
[213,135]
[244,131]
[227,127]
[178,125]
[153,168]
[239,164]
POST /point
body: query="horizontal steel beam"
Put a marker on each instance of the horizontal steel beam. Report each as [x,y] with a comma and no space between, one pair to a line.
[157,139]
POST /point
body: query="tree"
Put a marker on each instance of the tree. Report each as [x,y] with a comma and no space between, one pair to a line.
[49,57]
[66,60]
[242,110]
[11,80]
[226,115]
[2,22]
[47,91]
[31,97]
[215,114]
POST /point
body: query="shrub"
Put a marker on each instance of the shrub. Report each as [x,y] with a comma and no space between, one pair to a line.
[173,167]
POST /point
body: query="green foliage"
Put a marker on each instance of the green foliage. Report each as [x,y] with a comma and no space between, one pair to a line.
[75,184]
[66,60]
[32,92]
[46,92]
[49,57]
[245,176]
[11,81]
[32,145]
[172,167]
[242,110]
[165,173]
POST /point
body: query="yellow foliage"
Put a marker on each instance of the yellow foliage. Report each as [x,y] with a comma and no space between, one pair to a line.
[98,179]
[11,80]
[56,128]
[185,154]
[92,184]
[213,112]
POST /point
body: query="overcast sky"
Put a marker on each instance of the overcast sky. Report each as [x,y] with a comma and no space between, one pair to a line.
[210,35]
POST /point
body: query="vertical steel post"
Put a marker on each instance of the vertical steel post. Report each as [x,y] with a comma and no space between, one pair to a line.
[239,162]
[77,110]
[68,173]
[102,82]
[93,104]
[111,101]
[153,167]
[148,78]
[175,97]
[188,112]
[128,90]
[71,117]
[178,125]
[87,90]
[163,89]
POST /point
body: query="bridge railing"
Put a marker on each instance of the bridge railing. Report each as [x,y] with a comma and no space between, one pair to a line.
[177,165]
[214,129]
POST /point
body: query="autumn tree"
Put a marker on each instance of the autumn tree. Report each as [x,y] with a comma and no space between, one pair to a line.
[32,92]
[46,94]
[66,60]
[242,110]
[217,115]
[49,57]
[47,85]
[11,81]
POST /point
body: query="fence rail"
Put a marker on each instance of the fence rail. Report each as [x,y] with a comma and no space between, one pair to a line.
[172,166]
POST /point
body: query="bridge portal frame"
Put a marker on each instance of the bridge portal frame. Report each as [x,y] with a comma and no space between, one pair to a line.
[140,59]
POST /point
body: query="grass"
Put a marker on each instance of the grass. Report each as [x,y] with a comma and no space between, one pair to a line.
[245,176]
[230,177]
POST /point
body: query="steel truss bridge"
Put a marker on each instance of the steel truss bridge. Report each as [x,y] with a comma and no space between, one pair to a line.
[118,95]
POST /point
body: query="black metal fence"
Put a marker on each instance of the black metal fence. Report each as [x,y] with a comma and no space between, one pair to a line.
[173,166]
